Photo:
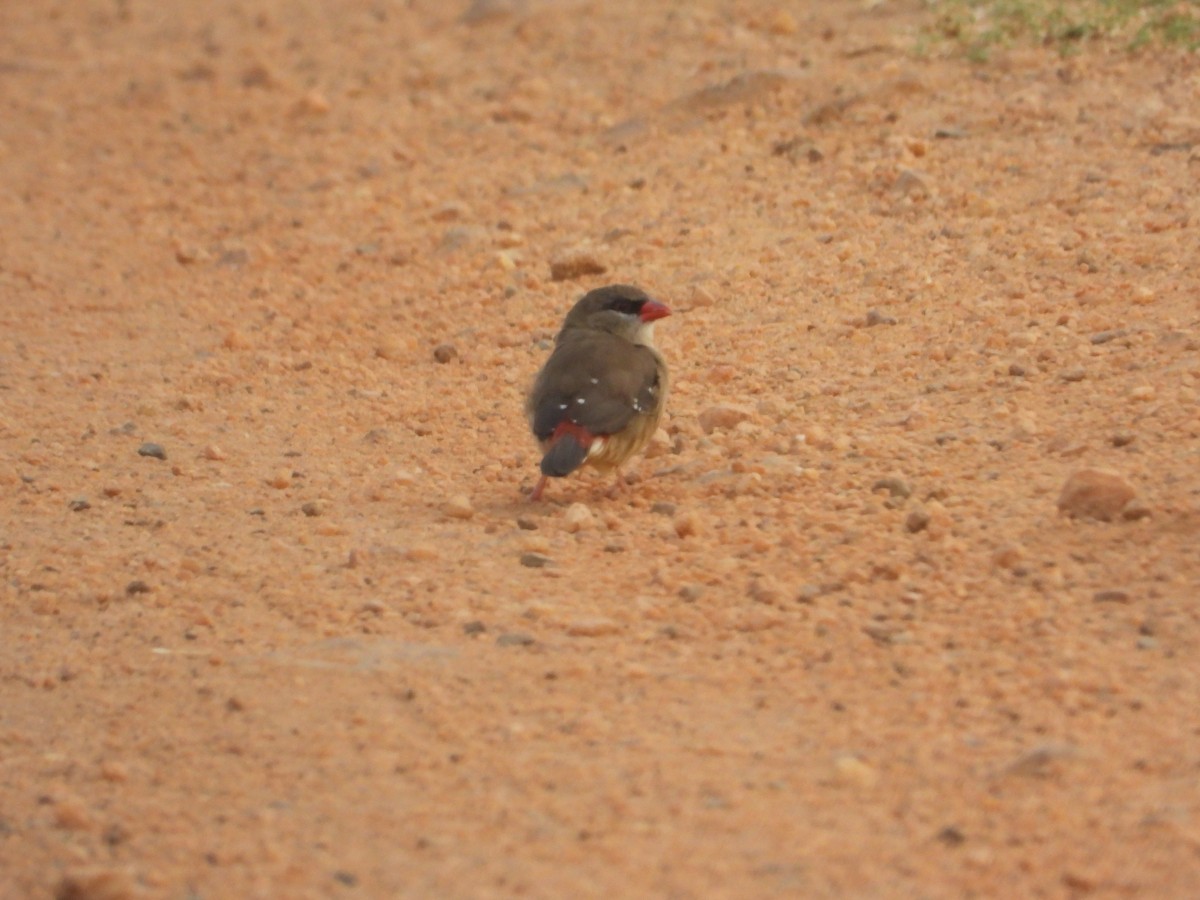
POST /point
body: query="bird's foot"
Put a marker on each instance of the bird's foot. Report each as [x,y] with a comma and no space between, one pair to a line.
[537,490]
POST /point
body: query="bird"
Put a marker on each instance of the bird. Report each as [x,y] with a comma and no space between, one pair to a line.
[600,396]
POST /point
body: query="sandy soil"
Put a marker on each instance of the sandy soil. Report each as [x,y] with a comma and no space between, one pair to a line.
[839,640]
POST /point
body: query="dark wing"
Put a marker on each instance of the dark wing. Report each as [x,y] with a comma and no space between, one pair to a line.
[596,380]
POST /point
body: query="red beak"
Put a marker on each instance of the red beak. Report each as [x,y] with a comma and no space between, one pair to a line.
[652,310]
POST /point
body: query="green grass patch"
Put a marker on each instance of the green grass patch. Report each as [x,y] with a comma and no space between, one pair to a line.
[981,26]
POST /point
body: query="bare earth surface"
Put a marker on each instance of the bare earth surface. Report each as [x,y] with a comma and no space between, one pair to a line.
[837,640]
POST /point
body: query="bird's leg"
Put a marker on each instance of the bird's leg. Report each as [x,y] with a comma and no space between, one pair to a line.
[537,491]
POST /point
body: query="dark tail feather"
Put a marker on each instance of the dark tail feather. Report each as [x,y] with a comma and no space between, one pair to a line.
[565,455]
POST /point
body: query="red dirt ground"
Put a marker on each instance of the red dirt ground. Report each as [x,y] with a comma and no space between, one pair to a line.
[838,640]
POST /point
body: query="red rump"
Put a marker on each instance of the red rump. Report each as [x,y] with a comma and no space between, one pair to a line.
[581,434]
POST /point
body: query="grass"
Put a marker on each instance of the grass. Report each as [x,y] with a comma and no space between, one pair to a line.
[981,26]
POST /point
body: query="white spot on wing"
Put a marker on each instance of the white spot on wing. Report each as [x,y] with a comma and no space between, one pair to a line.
[580,400]
[595,381]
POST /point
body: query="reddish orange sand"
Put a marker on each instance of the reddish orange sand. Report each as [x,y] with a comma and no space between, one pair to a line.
[838,640]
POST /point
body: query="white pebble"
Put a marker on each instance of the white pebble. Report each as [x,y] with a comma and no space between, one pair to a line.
[458,507]
[578,518]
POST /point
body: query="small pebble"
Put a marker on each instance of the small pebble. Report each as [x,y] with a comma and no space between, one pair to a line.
[423,552]
[458,507]
[1078,882]
[592,627]
[79,504]
[460,236]
[313,508]
[850,770]
[1073,375]
[1095,494]
[281,479]
[1025,426]
[660,445]
[443,353]
[810,592]
[723,416]
[114,771]
[526,524]
[535,543]
[449,212]
[895,486]
[314,103]
[940,521]
[1110,596]
[535,560]
[137,587]
[490,10]
[473,628]
[686,525]
[766,590]
[782,22]
[951,836]
[875,317]
[1136,509]
[390,348]
[578,518]
[1142,393]
[918,520]
[1123,438]
[575,263]
[72,815]
[514,639]
[755,619]
[911,184]
[186,253]
[258,76]
[817,437]
[213,452]
[151,449]
[1008,556]
[96,883]
[1037,760]
[881,632]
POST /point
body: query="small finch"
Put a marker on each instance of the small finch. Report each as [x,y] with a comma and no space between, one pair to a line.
[600,396]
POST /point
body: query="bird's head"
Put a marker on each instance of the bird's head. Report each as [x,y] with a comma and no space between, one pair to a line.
[620,309]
